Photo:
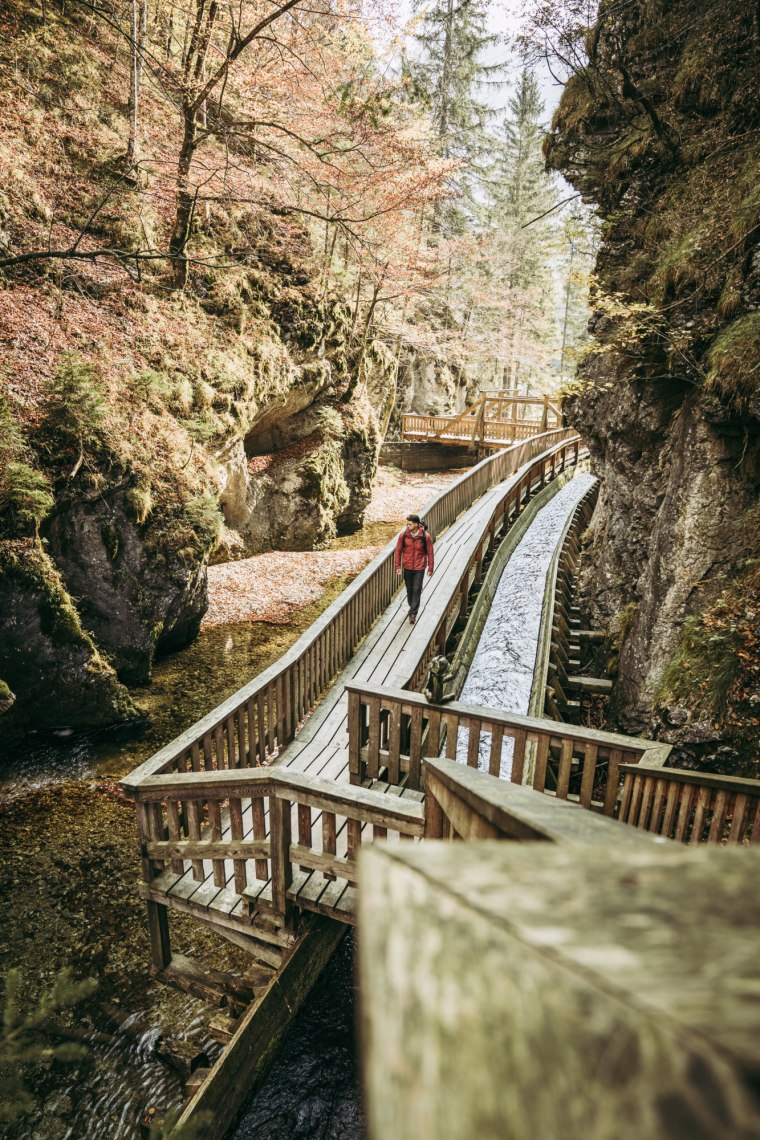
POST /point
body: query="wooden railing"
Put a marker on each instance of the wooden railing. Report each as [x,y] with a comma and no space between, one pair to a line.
[260,826]
[392,732]
[255,723]
[691,807]
[461,803]
[493,420]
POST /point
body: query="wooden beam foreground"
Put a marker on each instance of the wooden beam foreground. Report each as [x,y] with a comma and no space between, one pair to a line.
[518,991]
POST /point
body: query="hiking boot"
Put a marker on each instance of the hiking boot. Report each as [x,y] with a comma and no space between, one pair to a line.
[412,619]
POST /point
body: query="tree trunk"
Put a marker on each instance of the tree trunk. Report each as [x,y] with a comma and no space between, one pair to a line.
[185,201]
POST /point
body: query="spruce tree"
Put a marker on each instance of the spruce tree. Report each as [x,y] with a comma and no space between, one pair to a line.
[520,191]
[449,74]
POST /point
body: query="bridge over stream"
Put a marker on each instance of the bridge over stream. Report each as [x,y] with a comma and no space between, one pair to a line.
[252,820]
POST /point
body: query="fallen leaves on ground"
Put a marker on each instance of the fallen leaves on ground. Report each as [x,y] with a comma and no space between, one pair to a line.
[270,587]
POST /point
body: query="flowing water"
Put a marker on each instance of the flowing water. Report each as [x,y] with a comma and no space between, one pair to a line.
[68,892]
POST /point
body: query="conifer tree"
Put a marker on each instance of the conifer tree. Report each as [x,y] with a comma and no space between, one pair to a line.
[450,74]
[524,243]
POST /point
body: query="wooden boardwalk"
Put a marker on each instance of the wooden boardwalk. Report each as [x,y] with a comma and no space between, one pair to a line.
[211,816]
[496,420]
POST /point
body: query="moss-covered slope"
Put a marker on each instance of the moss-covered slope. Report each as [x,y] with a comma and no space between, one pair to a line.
[130,410]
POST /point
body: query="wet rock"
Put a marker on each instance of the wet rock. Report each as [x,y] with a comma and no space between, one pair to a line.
[133,602]
[52,664]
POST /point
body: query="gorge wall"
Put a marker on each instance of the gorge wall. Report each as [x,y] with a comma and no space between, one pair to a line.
[660,131]
[145,428]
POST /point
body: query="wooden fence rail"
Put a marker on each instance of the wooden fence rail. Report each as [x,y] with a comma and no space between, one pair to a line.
[259,833]
[691,807]
[496,418]
[392,732]
[255,723]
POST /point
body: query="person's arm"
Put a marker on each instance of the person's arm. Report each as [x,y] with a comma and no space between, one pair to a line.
[430,556]
[397,553]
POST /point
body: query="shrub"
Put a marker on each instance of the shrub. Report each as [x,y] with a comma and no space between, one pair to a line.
[76,411]
[25,498]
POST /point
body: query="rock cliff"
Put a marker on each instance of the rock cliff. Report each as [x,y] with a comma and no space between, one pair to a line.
[660,131]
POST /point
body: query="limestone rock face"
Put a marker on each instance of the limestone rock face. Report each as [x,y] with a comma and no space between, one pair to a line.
[652,133]
[133,601]
[48,661]
[431,386]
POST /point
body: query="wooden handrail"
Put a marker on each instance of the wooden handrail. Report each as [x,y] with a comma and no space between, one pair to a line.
[691,807]
[393,731]
[253,725]
[464,804]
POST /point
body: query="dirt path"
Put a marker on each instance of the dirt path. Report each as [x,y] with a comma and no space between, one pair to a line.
[271,587]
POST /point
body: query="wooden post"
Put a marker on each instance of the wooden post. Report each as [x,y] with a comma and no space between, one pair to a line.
[282,870]
[160,943]
[545,414]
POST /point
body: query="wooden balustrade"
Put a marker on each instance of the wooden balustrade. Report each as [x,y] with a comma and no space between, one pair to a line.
[495,418]
[392,732]
[254,725]
[691,807]
[461,803]
[258,833]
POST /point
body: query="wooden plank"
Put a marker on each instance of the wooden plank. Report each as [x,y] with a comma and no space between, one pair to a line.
[242,1065]
[703,798]
[684,812]
[589,773]
[473,742]
[328,834]
[565,768]
[542,756]
[415,751]
[282,868]
[494,759]
[193,812]
[660,787]
[647,793]
[354,733]
[215,819]
[373,743]
[718,817]
[736,832]
[671,805]
[613,781]
[258,816]
[518,755]
[236,830]
[394,745]
[174,829]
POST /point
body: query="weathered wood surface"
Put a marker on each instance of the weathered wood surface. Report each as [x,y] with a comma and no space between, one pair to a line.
[478,806]
[691,807]
[512,992]
[235,1076]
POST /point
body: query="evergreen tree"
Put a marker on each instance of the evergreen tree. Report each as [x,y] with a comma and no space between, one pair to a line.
[449,75]
[521,265]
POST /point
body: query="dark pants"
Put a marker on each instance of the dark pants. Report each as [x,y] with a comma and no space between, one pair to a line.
[413,580]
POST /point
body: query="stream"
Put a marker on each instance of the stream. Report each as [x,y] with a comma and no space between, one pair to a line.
[68,891]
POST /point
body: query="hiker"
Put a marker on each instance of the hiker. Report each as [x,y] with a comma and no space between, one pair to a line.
[414,551]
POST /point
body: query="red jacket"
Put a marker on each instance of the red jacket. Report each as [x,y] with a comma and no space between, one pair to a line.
[414,551]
